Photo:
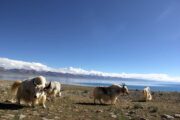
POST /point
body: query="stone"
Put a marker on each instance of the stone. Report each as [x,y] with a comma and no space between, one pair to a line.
[21,116]
[153,109]
[98,111]
[10,115]
[44,118]
[35,113]
[86,110]
[126,114]
[129,117]
[114,116]
[76,110]
[167,116]
[111,113]
[138,106]
[56,117]
[143,119]
[177,115]
[131,112]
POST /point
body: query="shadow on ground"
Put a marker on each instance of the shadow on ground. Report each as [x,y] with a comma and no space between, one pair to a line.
[138,100]
[83,103]
[10,106]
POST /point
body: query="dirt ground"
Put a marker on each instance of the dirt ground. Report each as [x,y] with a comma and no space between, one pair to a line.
[77,104]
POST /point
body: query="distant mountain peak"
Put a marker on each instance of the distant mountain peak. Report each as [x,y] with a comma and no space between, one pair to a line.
[9,64]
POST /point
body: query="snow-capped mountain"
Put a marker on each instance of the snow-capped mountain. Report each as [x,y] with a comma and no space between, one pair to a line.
[17,66]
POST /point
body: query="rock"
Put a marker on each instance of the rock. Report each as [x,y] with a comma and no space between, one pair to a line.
[56,117]
[44,118]
[127,107]
[126,114]
[86,110]
[35,113]
[153,109]
[160,94]
[129,117]
[4,92]
[143,119]
[167,116]
[131,112]
[8,116]
[8,101]
[4,117]
[21,116]
[114,116]
[154,115]
[98,111]
[43,115]
[111,113]
[76,110]
[75,106]
[138,106]
[177,115]
[16,111]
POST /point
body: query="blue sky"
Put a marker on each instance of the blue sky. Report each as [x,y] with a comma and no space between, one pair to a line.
[105,35]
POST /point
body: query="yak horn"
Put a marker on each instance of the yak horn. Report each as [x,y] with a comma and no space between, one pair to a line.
[48,86]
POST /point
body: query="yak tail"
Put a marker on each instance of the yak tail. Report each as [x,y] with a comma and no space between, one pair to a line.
[15,87]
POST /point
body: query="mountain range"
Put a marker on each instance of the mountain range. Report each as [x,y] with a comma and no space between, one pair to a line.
[10,66]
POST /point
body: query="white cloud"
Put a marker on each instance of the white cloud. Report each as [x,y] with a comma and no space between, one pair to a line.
[154,76]
[16,64]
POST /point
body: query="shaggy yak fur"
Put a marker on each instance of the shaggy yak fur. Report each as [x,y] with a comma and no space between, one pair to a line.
[147,94]
[54,89]
[31,91]
[109,93]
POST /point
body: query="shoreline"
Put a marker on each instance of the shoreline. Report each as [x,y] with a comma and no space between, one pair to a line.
[130,87]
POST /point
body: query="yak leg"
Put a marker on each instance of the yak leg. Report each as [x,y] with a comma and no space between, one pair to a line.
[94,101]
[43,101]
[18,100]
[55,93]
[59,94]
[34,102]
[100,101]
[113,101]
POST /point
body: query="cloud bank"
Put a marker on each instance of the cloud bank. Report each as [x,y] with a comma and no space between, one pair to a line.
[16,64]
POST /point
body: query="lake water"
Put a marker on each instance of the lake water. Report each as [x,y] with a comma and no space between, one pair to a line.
[169,87]
[132,84]
[154,85]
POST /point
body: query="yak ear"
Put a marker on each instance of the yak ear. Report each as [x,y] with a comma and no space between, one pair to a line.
[123,85]
[47,86]
[34,83]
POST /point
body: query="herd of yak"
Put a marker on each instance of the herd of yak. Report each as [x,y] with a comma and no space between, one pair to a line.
[35,91]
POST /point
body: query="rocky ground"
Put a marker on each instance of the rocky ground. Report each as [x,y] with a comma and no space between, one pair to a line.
[76,104]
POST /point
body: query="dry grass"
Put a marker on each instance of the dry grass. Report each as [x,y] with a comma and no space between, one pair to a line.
[76,104]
